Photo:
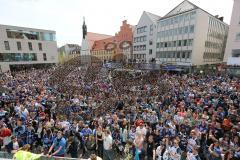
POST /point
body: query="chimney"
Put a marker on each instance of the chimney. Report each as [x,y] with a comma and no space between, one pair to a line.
[216,16]
[125,22]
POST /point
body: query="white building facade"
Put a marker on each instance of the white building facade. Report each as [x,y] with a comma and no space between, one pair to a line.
[144,37]
[232,53]
[26,47]
[190,36]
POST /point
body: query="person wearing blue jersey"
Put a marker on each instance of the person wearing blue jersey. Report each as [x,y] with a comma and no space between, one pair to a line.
[58,147]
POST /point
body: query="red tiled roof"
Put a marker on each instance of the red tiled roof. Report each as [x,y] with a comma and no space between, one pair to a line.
[92,37]
[100,44]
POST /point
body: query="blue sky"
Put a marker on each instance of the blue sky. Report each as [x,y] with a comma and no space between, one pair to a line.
[102,16]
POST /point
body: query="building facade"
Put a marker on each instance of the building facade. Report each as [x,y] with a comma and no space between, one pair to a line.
[101,50]
[144,38]
[68,51]
[22,47]
[232,53]
[190,36]
[123,40]
[118,47]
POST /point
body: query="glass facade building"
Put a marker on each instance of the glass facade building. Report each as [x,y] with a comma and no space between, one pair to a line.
[20,46]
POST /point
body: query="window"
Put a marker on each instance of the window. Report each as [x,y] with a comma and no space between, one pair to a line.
[20,34]
[15,34]
[175,19]
[151,29]
[180,18]
[191,29]
[33,57]
[178,54]
[174,55]
[188,55]
[158,44]
[167,22]
[192,14]
[179,43]
[30,46]
[40,46]
[161,44]
[170,21]
[44,57]
[169,44]
[236,53]
[174,43]
[25,56]
[150,51]
[190,42]
[185,43]
[144,38]
[14,57]
[144,47]
[48,36]
[164,55]
[18,56]
[183,55]
[7,47]
[238,37]
[180,30]
[19,46]
[166,33]
[186,29]
[170,32]
[165,44]
[186,17]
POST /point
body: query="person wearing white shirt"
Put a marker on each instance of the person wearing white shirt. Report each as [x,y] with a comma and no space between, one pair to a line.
[141,129]
[159,151]
[175,151]
[107,145]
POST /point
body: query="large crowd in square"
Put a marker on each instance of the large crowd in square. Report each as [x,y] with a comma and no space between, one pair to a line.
[152,116]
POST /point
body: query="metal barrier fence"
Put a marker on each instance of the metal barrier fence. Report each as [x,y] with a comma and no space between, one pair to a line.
[143,66]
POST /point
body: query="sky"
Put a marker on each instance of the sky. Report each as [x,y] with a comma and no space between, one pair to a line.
[102,16]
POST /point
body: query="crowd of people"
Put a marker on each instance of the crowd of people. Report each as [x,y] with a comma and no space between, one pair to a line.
[79,112]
